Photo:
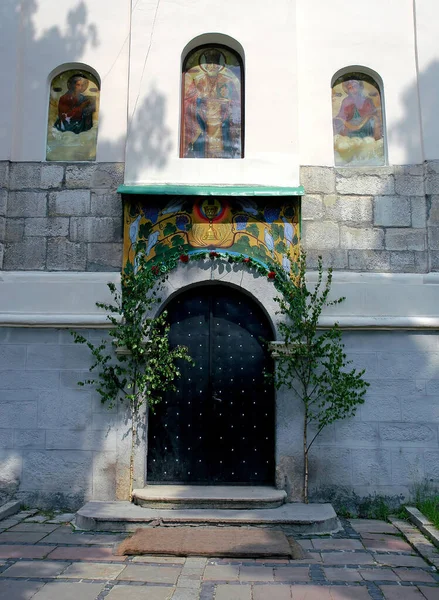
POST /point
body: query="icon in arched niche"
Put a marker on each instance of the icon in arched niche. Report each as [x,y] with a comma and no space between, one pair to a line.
[266,229]
[357,121]
[212,104]
[73,117]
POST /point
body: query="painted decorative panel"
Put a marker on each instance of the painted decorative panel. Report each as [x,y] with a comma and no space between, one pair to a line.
[73,117]
[357,121]
[265,229]
[212,104]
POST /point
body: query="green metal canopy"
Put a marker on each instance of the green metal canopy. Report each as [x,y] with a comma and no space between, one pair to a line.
[209,190]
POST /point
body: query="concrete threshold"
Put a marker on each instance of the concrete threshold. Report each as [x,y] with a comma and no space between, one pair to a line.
[294,518]
[208,496]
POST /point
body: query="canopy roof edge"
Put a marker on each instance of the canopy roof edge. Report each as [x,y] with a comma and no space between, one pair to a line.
[209,190]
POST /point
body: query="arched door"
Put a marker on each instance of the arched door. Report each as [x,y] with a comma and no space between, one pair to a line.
[218,427]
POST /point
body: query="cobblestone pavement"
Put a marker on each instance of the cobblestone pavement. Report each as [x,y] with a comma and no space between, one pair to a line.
[44,559]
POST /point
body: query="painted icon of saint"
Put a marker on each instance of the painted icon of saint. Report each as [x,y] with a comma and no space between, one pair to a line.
[212,107]
[75,109]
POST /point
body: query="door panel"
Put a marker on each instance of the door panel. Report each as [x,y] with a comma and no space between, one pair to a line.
[218,427]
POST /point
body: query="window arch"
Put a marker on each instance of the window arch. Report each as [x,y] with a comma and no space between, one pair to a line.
[358,123]
[73,116]
[212,103]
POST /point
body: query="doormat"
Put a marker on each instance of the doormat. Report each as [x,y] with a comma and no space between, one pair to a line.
[243,542]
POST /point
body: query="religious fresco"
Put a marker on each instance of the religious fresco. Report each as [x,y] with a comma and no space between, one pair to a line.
[357,121]
[211,111]
[73,117]
[265,229]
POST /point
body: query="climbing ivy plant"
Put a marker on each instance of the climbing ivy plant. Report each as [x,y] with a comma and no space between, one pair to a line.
[312,364]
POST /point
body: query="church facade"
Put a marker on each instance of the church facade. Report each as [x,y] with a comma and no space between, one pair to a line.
[219,130]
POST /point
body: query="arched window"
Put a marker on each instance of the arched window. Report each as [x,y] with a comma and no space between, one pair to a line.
[72,126]
[212,104]
[357,121]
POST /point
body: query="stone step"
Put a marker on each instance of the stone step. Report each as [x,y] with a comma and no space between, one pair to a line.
[294,518]
[208,496]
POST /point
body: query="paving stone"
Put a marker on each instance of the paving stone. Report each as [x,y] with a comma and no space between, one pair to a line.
[69,591]
[34,528]
[186,594]
[378,575]
[342,544]
[401,593]
[176,560]
[414,575]
[273,592]
[342,574]
[190,582]
[429,592]
[291,574]
[347,558]
[93,571]
[372,526]
[233,592]
[256,573]
[318,592]
[195,561]
[19,590]
[221,573]
[65,535]
[7,523]
[71,553]
[63,518]
[147,592]
[45,568]
[306,544]
[21,536]
[160,574]
[18,551]
[400,560]
[390,544]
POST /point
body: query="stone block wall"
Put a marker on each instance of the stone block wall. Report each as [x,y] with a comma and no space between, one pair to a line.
[60,216]
[383,219]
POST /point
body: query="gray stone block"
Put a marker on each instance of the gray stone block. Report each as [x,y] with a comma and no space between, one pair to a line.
[24,175]
[3,202]
[25,417]
[46,227]
[104,204]
[80,176]
[32,335]
[63,439]
[57,469]
[419,212]
[54,356]
[409,170]
[371,467]
[432,387]
[409,185]
[321,235]
[27,204]
[434,261]
[369,260]
[28,255]
[14,381]
[433,211]
[69,203]
[318,180]
[405,239]
[355,209]
[365,185]
[355,238]
[108,176]
[407,365]
[432,166]
[104,420]
[95,229]
[433,237]
[4,173]
[69,379]
[381,408]
[312,208]
[2,254]
[403,261]
[432,184]
[392,211]
[30,438]
[407,466]
[14,230]
[51,176]
[352,433]
[337,259]
[408,434]
[425,410]
[12,357]
[104,257]
[104,475]
[330,466]
[63,255]
[2,228]
[6,439]
[65,409]
[431,462]
[421,262]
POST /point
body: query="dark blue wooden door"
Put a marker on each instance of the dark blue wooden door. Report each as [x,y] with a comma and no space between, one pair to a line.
[218,427]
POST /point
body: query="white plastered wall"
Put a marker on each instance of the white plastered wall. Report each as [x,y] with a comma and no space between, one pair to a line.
[338,34]
[267,32]
[63,32]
